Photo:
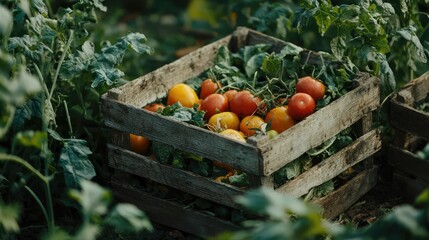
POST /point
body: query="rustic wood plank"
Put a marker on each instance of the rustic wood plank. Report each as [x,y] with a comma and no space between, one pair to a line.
[155,84]
[172,214]
[320,126]
[186,137]
[331,167]
[183,180]
[409,187]
[414,91]
[344,197]
[363,126]
[408,162]
[404,117]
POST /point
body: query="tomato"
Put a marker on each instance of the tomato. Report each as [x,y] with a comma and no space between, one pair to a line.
[311,86]
[245,104]
[154,107]
[225,120]
[209,87]
[215,103]
[272,134]
[249,123]
[139,144]
[300,106]
[233,134]
[184,94]
[280,119]
[230,94]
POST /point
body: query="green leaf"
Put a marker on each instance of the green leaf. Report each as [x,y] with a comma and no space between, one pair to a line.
[104,65]
[9,215]
[408,33]
[75,163]
[184,114]
[40,6]
[93,198]
[387,77]
[21,87]
[31,109]
[127,217]
[57,234]
[78,63]
[338,47]
[6,22]
[88,231]
[239,180]
[254,64]
[6,117]
[272,65]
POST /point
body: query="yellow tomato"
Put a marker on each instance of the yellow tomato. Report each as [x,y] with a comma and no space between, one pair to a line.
[224,120]
[184,94]
[249,123]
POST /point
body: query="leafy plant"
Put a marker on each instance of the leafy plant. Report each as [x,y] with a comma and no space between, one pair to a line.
[51,78]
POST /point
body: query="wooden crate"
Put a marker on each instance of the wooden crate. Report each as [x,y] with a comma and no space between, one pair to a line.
[259,157]
[411,131]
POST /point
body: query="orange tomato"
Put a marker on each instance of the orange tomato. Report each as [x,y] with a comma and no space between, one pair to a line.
[139,144]
[280,119]
[230,94]
[249,123]
[224,120]
[184,94]
[154,107]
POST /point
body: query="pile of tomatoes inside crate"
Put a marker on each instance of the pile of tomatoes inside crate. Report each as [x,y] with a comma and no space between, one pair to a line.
[239,114]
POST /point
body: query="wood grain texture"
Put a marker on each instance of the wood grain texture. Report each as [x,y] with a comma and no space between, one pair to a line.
[189,138]
[409,163]
[320,126]
[331,167]
[409,187]
[344,197]
[414,91]
[409,119]
[183,180]
[154,85]
[172,214]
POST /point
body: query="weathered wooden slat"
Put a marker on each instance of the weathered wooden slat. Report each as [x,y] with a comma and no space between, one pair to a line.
[319,127]
[409,187]
[408,162]
[331,167]
[183,136]
[183,180]
[363,126]
[172,214]
[154,85]
[344,197]
[414,91]
[407,118]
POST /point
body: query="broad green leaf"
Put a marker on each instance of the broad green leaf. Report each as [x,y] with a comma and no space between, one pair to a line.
[78,63]
[127,217]
[290,49]
[9,215]
[88,231]
[324,21]
[31,109]
[408,33]
[104,65]
[387,77]
[75,163]
[223,56]
[93,198]
[28,46]
[40,6]
[30,138]
[99,4]
[239,180]
[338,47]
[404,6]
[272,65]
[6,22]
[55,135]
[254,64]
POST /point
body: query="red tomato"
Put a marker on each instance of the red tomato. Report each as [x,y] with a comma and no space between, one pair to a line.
[215,103]
[154,107]
[311,86]
[244,104]
[300,106]
[230,94]
[139,144]
[280,119]
[208,87]
[249,123]
[184,94]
